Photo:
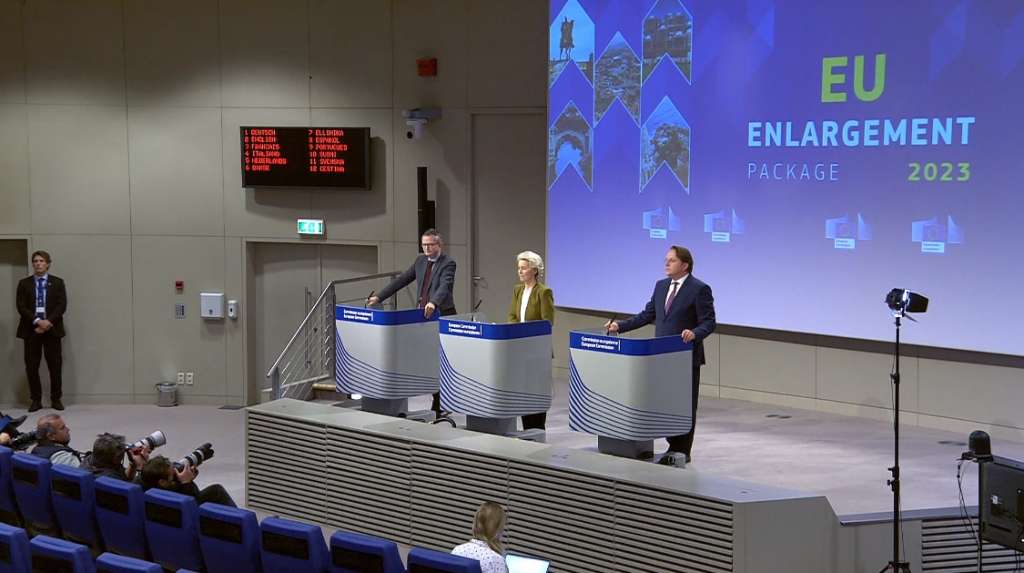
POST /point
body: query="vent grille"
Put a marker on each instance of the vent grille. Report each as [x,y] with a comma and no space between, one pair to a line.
[447,488]
[427,495]
[565,517]
[285,462]
[369,484]
[699,531]
[948,546]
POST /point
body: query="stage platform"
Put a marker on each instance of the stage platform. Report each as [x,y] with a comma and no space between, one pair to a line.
[770,488]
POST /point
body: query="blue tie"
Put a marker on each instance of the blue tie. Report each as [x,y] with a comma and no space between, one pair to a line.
[40,296]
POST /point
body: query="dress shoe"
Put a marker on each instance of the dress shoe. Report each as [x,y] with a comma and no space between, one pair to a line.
[35,406]
[56,404]
[675,459]
[15,422]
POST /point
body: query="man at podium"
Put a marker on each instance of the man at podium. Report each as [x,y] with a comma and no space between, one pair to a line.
[680,305]
[531,300]
[434,273]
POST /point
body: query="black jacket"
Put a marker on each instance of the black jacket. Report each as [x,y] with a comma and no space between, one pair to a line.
[56,305]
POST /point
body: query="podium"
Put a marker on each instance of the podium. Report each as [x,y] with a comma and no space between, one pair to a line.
[387,356]
[629,391]
[495,373]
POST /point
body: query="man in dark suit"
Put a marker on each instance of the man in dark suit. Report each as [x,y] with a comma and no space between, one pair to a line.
[681,305]
[42,301]
[434,273]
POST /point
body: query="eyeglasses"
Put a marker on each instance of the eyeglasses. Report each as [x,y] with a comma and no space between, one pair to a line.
[429,244]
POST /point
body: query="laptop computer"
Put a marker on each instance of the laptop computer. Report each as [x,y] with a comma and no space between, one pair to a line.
[520,564]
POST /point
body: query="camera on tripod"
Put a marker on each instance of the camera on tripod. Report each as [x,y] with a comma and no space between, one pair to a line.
[196,457]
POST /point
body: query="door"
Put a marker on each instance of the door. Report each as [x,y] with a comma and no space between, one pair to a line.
[509,203]
[13,267]
[284,281]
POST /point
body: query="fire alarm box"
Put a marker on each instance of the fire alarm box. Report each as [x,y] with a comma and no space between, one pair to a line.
[426,67]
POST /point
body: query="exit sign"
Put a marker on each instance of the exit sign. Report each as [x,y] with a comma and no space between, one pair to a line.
[310,226]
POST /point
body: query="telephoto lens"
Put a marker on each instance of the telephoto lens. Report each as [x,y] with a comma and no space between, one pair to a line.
[197,457]
[152,441]
[25,440]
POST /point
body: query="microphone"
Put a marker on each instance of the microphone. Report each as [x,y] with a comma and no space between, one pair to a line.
[475,307]
[368,297]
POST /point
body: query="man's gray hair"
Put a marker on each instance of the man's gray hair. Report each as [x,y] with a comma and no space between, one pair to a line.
[44,426]
[433,233]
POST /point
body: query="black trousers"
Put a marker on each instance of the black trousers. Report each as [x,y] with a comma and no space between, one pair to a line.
[216,494]
[684,442]
[37,346]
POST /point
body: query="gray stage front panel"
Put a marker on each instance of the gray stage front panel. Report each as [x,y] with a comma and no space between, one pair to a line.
[678,531]
[447,488]
[368,484]
[565,517]
[285,466]
[947,546]
[419,484]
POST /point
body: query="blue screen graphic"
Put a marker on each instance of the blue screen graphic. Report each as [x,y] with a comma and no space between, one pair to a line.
[812,155]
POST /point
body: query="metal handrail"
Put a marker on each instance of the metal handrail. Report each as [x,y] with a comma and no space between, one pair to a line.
[316,304]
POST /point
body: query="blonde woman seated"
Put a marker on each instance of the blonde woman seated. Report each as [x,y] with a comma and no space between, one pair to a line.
[531,300]
[486,546]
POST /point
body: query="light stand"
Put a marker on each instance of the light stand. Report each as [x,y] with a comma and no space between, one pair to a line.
[900,301]
[896,565]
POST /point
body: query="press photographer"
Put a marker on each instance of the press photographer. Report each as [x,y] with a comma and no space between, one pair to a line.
[53,438]
[108,456]
[179,477]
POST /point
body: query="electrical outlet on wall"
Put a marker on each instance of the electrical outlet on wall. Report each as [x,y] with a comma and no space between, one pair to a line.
[190,378]
[181,378]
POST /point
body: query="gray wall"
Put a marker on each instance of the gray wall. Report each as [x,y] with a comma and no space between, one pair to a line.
[119,154]
[98,99]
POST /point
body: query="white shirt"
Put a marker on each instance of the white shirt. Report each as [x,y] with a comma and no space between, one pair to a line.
[524,302]
[678,285]
[490,561]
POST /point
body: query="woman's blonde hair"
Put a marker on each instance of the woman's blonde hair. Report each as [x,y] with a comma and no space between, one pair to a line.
[532,259]
[488,524]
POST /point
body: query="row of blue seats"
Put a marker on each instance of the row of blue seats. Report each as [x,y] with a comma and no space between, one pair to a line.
[349,554]
[171,530]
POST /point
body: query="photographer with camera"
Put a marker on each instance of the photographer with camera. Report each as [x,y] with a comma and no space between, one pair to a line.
[180,476]
[107,458]
[9,429]
[54,436]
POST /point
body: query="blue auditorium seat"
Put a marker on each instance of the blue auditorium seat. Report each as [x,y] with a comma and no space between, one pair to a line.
[354,553]
[229,538]
[31,478]
[120,514]
[171,520]
[52,554]
[428,561]
[14,552]
[74,502]
[8,506]
[113,563]
[291,546]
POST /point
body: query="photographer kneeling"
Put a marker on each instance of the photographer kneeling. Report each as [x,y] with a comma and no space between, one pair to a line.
[107,459]
[160,472]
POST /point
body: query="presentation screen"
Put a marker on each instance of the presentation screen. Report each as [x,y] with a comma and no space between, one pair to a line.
[812,156]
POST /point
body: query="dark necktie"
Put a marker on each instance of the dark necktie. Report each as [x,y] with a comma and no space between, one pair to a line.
[425,289]
[40,296]
[671,296]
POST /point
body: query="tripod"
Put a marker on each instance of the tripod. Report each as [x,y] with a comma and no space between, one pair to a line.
[896,565]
